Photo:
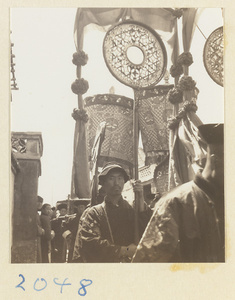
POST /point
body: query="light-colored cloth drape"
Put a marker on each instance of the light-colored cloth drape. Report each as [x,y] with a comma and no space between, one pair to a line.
[186,150]
[160,19]
[80,186]
[189,25]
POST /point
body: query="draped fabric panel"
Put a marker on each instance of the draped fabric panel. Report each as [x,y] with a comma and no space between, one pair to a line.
[80,186]
[160,19]
[187,151]
[189,25]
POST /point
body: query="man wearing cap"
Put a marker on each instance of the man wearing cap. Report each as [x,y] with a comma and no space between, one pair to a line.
[107,229]
[187,224]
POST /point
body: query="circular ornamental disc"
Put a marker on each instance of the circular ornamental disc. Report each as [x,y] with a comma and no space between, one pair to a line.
[213,56]
[135,54]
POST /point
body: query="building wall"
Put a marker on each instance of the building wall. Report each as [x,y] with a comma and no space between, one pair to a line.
[28,151]
[25,200]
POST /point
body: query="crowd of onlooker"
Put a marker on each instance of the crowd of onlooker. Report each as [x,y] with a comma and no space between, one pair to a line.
[56,231]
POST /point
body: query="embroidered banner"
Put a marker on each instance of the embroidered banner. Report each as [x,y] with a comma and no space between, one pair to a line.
[154,111]
[117,112]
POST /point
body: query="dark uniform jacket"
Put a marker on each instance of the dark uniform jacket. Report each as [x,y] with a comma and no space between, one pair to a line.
[72,226]
[187,226]
[105,228]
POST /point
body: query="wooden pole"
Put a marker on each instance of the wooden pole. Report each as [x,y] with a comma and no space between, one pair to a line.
[135,160]
[79,69]
[80,99]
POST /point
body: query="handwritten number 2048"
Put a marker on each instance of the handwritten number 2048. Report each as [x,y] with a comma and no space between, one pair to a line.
[81,291]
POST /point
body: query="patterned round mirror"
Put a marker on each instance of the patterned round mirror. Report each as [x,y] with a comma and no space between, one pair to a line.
[135,54]
[213,56]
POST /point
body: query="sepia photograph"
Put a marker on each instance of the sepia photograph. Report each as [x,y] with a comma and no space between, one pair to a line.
[116,157]
[117,135]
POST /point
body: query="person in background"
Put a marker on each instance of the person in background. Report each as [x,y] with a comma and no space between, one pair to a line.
[53,213]
[52,217]
[48,235]
[188,222]
[59,245]
[71,226]
[62,209]
[76,257]
[40,230]
[107,229]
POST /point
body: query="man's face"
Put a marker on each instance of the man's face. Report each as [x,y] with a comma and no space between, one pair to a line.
[114,183]
[39,205]
[47,210]
[63,211]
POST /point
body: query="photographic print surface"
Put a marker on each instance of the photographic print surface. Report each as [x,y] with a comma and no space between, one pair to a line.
[125,87]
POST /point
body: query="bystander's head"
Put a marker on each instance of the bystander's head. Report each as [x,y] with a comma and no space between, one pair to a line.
[39,203]
[46,209]
[112,178]
[62,209]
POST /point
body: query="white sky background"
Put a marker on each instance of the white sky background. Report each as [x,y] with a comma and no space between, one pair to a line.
[43,48]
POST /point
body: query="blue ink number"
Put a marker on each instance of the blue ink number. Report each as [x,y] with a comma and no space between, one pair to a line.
[45,285]
[82,291]
[19,285]
[62,284]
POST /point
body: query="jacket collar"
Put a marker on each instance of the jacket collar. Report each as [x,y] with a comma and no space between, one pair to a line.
[208,187]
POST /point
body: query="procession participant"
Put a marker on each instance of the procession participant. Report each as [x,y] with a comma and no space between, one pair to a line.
[76,258]
[107,229]
[40,230]
[62,209]
[49,234]
[188,222]
[52,217]
[71,226]
[58,244]
[53,212]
